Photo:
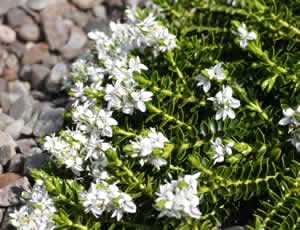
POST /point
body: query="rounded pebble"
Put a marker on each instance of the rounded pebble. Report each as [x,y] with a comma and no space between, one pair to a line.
[84,4]
[29,32]
[7,35]
[37,4]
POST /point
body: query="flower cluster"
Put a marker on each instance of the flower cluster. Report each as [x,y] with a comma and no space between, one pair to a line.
[38,211]
[290,119]
[179,198]
[224,102]
[216,72]
[143,148]
[106,197]
[220,149]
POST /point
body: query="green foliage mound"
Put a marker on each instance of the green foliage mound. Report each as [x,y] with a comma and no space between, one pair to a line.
[227,99]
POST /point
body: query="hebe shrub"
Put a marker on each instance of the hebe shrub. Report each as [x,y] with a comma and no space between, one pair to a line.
[191,127]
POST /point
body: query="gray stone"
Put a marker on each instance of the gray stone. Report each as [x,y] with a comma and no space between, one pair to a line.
[12,62]
[115,3]
[5,120]
[28,128]
[49,60]
[37,4]
[76,42]
[29,32]
[6,153]
[100,11]
[84,4]
[6,5]
[10,195]
[25,73]
[35,54]
[15,129]
[25,145]
[16,164]
[16,17]
[18,87]
[3,85]
[35,160]
[56,31]
[78,17]
[5,225]
[17,48]
[49,121]
[2,212]
[7,35]
[39,74]
[56,8]
[1,171]
[22,109]
[58,72]
[7,99]
[96,24]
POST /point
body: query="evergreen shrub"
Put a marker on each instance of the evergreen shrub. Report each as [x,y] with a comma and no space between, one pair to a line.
[186,116]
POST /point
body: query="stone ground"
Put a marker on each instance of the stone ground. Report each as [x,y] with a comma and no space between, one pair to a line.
[39,39]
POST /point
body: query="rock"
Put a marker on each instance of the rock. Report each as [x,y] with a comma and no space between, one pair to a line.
[15,129]
[10,195]
[25,73]
[35,54]
[16,164]
[84,4]
[5,225]
[17,17]
[56,31]
[1,171]
[49,60]
[7,99]
[6,5]
[3,85]
[35,160]
[53,83]
[25,145]
[78,17]
[22,109]
[56,8]
[10,74]
[5,120]
[96,24]
[37,4]
[18,87]
[100,11]
[7,35]
[114,3]
[12,62]
[76,42]
[39,74]
[29,32]
[49,121]
[28,128]
[6,153]
[17,48]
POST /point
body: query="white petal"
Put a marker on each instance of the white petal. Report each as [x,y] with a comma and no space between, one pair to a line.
[206,86]
[251,36]
[243,43]
[219,114]
[288,112]
[141,106]
[284,121]
[231,114]
[221,76]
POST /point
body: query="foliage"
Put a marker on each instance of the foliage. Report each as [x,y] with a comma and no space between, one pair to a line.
[257,183]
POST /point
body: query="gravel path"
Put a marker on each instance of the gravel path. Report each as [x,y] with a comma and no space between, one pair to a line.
[39,39]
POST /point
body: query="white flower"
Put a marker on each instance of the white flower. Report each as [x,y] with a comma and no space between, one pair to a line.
[105,121]
[203,81]
[220,149]
[140,97]
[157,138]
[289,117]
[224,103]
[179,198]
[135,65]
[244,35]
[216,72]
